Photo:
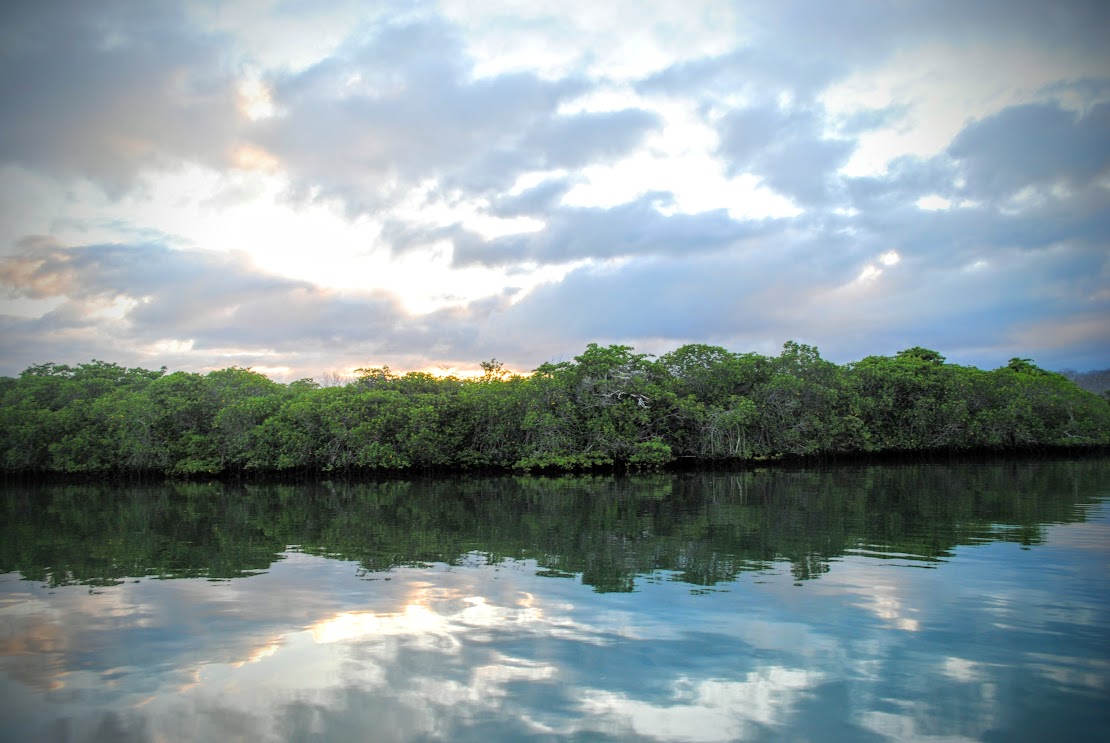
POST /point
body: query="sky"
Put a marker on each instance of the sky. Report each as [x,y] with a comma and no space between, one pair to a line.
[308,188]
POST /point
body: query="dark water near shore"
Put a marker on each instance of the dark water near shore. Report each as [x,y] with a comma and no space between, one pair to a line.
[910,602]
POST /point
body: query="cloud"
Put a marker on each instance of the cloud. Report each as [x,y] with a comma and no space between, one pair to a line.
[743,299]
[394,105]
[975,305]
[573,141]
[401,107]
[1026,178]
[531,201]
[787,148]
[619,40]
[637,228]
[1033,145]
[804,47]
[727,173]
[105,91]
[148,300]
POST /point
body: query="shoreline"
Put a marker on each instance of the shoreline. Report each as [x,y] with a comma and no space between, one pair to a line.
[678,466]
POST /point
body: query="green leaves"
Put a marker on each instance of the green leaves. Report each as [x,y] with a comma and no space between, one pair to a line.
[609,407]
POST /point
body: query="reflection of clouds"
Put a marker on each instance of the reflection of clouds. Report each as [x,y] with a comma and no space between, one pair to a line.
[345,626]
[445,650]
[906,727]
[878,589]
[1090,674]
[437,615]
[708,710]
[1039,610]
[384,656]
[961,669]
[1090,536]
[313,649]
[979,677]
[259,653]
[32,642]
[385,653]
[485,691]
[90,656]
[887,606]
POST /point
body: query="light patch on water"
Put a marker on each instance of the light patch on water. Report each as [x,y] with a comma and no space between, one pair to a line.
[706,711]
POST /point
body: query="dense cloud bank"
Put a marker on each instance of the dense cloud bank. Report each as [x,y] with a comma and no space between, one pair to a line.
[607,407]
[858,177]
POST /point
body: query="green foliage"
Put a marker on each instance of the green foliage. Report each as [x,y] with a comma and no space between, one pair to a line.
[650,455]
[562,461]
[917,353]
[608,407]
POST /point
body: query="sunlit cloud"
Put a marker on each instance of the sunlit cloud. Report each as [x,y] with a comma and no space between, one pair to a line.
[250,157]
[869,273]
[933,203]
[256,100]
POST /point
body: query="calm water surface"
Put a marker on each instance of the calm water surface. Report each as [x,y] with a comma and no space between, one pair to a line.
[924,602]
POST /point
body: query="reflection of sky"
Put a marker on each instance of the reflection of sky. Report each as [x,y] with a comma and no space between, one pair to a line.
[996,642]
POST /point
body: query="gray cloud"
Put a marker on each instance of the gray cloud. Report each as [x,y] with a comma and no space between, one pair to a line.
[905,181]
[580,139]
[105,90]
[758,73]
[786,148]
[1033,145]
[401,107]
[989,163]
[802,47]
[859,29]
[978,304]
[668,298]
[533,201]
[975,303]
[636,228]
[558,142]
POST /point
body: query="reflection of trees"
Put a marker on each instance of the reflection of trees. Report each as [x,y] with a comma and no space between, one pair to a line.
[704,528]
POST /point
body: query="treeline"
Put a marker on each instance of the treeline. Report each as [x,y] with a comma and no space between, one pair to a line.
[609,406]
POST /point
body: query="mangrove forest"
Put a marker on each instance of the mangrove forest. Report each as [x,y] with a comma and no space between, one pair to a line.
[609,407]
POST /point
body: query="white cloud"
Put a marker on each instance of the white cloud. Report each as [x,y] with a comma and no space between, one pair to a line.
[933,203]
[707,710]
[623,40]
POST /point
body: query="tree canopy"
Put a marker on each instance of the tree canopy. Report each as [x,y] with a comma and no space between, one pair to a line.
[608,407]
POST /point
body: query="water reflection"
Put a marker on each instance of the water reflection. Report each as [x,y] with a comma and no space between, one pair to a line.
[432,653]
[812,637]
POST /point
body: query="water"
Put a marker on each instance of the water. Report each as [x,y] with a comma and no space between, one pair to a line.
[926,602]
